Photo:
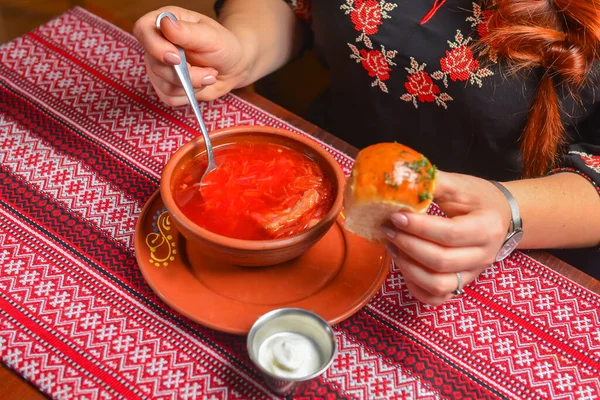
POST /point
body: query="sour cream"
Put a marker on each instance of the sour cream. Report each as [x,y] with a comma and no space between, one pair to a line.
[402,174]
[289,355]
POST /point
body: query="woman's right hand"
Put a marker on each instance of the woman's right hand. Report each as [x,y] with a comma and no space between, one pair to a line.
[216,58]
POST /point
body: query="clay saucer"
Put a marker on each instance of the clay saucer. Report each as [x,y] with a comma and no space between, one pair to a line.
[334,278]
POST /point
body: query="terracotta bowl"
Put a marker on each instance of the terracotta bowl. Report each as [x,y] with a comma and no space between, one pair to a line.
[252,252]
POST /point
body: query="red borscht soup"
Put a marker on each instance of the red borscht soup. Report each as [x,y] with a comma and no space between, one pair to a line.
[259,191]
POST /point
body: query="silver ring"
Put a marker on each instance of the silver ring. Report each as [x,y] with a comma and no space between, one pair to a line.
[459,288]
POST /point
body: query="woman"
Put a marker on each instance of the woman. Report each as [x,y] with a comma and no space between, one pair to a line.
[503,90]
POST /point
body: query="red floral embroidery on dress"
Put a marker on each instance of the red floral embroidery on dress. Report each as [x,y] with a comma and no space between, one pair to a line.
[460,64]
[480,20]
[301,8]
[376,62]
[483,27]
[591,160]
[420,86]
[367,16]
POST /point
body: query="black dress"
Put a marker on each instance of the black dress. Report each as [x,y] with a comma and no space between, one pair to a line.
[396,76]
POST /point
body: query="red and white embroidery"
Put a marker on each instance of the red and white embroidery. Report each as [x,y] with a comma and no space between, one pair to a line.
[367,16]
[376,62]
[480,20]
[460,64]
[590,160]
[420,86]
[301,8]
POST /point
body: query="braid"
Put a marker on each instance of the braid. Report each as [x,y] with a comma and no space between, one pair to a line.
[562,38]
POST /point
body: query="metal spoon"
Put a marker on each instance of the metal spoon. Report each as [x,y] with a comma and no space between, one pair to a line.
[184,76]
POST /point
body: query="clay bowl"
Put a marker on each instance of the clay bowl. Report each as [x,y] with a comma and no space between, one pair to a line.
[252,253]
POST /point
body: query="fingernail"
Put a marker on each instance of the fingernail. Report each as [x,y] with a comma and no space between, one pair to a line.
[209,80]
[391,249]
[388,231]
[172,58]
[174,23]
[399,219]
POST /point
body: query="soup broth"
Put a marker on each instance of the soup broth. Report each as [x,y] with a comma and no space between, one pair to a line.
[259,191]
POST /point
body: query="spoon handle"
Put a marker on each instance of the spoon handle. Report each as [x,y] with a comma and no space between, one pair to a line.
[184,76]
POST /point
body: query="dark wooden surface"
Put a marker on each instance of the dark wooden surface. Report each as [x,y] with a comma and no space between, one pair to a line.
[13,387]
[566,270]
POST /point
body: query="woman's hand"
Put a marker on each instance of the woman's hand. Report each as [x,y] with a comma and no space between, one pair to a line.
[215,56]
[251,40]
[429,250]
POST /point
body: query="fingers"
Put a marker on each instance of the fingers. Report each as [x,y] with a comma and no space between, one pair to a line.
[200,76]
[425,297]
[171,99]
[167,84]
[152,40]
[461,230]
[200,35]
[192,31]
[440,258]
[431,250]
[428,286]
[177,96]
[453,194]
[448,244]
[433,289]
[447,186]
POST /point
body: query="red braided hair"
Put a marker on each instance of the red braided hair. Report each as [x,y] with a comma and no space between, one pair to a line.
[563,38]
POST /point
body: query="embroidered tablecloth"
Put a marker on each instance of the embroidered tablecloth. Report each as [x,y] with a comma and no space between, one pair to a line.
[83,139]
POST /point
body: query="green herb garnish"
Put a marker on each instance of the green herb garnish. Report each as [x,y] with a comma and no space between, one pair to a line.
[387,179]
[424,196]
[431,172]
[418,164]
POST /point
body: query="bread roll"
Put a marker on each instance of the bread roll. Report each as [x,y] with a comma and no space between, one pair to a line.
[386,177]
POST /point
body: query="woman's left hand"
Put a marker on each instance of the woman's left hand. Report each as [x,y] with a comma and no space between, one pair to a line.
[430,250]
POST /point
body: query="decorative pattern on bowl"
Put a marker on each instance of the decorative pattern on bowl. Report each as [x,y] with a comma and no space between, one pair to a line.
[160,242]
